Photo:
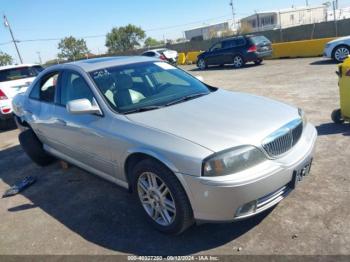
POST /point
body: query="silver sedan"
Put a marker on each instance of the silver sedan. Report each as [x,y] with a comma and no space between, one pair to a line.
[189,152]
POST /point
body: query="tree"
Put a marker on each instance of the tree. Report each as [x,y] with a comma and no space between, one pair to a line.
[5,59]
[149,42]
[124,38]
[72,48]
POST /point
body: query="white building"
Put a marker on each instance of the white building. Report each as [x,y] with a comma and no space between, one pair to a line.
[207,31]
[261,21]
[342,13]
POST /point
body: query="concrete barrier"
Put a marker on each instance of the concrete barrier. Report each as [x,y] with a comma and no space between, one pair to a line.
[181,60]
[191,57]
[306,48]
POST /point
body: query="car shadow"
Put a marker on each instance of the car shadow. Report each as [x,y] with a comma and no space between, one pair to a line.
[105,214]
[9,125]
[324,62]
[333,129]
[225,67]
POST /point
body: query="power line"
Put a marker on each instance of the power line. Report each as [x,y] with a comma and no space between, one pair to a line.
[190,23]
[104,35]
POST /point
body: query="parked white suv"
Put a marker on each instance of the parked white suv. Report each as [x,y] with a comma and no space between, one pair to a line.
[338,49]
[14,79]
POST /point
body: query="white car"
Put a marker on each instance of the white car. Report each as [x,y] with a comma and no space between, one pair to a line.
[14,79]
[338,49]
[163,54]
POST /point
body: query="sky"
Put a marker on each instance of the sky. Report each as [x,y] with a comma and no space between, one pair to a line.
[161,19]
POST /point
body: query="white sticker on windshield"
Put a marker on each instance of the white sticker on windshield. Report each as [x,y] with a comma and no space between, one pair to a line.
[165,66]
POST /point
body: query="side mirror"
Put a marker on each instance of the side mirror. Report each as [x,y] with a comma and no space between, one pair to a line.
[83,106]
[200,78]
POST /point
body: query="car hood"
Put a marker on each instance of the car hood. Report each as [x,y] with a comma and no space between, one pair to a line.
[345,38]
[220,120]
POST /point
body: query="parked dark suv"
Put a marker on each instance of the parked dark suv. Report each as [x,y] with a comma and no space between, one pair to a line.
[237,51]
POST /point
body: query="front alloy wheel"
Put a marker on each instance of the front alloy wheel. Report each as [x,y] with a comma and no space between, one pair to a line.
[156,198]
[341,53]
[161,197]
[238,61]
[202,64]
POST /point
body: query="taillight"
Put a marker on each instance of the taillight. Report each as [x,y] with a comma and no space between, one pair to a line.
[162,57]
[252,49]
[2,95]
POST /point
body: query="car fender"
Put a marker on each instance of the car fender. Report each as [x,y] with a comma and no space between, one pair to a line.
[146,151]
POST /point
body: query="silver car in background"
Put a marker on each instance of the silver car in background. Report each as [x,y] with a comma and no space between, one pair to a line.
[338,49]
[188,151]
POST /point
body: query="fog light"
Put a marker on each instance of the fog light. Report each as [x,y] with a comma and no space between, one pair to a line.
[247,209]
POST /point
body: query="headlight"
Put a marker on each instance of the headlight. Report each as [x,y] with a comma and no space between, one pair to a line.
[303,116]
[232,161]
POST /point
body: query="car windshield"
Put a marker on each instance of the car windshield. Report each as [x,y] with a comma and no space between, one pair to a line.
[19,73]
[146,86]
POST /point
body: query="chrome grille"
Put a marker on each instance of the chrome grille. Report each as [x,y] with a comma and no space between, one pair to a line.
[282,140]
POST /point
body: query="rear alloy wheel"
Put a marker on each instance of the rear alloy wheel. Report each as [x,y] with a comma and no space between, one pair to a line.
[202,64]
[337,117]
[341,53]
[162,197]
[238,61]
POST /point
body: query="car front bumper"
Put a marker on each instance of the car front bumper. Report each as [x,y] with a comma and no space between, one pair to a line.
[327,53]
[219,199]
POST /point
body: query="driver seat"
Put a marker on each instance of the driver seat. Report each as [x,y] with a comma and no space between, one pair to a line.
[122,95]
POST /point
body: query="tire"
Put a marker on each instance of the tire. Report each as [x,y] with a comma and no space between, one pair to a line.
[340,53]
[238,61]
[34,148]
[201,64]
[170,222]
[258,62]
[337,117]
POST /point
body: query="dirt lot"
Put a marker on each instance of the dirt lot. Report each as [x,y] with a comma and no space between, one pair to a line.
[73,212]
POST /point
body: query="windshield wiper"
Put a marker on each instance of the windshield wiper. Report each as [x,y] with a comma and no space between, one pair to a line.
[186,98]
[142,109]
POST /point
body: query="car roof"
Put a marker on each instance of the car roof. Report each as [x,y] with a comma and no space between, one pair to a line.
[93,64]
[17,66]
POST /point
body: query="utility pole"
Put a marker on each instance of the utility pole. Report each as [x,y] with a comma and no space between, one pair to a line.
[335,17]
[39,56]
[7,24]
[233,14]
[307,2]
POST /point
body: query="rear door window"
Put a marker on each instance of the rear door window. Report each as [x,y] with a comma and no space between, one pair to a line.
[260,40]
[149,54]
[48,88]
[228,44]
[217,46]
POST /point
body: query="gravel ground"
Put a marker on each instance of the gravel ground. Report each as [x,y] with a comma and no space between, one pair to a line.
[73,212]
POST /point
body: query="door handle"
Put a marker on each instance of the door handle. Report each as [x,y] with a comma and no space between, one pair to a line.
[61,122]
